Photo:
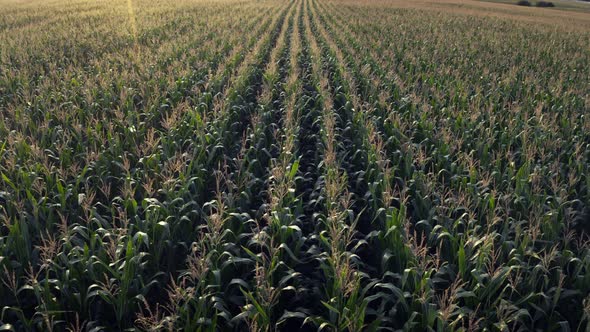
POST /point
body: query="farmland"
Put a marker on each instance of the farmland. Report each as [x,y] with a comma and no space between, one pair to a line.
[274,165]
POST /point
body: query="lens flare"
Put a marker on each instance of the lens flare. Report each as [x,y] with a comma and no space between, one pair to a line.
[131,13]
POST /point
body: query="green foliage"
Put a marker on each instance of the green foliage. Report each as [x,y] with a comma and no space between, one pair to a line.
[315,165]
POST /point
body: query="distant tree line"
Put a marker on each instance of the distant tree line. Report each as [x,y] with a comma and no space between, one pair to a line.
[538,4]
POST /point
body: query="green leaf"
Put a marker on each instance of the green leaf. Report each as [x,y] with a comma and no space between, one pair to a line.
[257,305]
[293,170]
[462,260]
[8,182]
[331,308]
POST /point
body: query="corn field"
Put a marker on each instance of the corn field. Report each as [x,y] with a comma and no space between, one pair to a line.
[286,165]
